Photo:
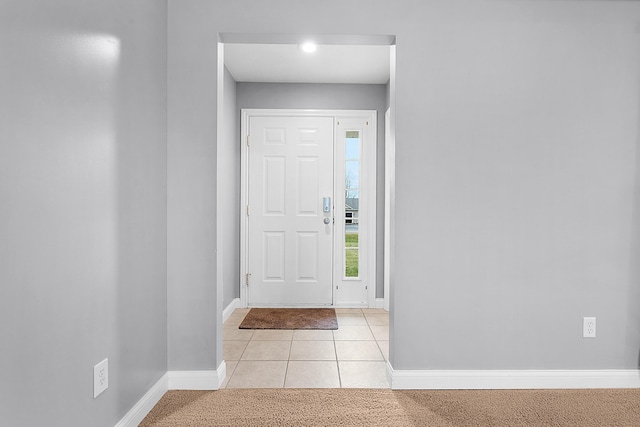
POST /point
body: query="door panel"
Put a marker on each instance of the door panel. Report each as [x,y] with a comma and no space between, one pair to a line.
[289,244]
[308,175]
[306,256]
[274,174]
[273,255]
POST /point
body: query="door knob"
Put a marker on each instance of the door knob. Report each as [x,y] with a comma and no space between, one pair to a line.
[327,221]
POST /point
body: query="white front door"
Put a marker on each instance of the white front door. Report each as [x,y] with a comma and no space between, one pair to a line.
[290,231]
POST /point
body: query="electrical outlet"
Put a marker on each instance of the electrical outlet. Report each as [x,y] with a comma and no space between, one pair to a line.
[100,377]
[589,327]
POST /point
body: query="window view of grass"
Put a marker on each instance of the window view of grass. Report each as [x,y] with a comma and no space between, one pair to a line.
[351,263]
[351,254]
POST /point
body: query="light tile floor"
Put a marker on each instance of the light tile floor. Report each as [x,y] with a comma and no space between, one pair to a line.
[354,355]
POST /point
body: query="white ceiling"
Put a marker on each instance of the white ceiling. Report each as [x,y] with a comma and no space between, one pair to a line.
[285,63]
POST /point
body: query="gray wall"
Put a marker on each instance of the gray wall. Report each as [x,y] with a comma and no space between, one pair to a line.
[329,96]
[520,155]
[194,306]
[516,138]
[229,192]
[83,208]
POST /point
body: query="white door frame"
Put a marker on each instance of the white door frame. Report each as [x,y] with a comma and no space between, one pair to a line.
[368,159]
[389,172]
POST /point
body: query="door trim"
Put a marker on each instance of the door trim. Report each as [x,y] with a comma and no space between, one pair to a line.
[246,114]
[388,173]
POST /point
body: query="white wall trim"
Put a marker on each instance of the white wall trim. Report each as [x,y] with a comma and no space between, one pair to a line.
[235,303]
[197,380]
[389,174]
[379,303]
[173,380]
[146,404]
[222,374]
[517,379]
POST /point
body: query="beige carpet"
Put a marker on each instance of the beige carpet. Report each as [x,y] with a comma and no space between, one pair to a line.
[368,407]
[290,318]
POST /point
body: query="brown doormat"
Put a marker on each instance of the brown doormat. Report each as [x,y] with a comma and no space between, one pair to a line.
[290,318]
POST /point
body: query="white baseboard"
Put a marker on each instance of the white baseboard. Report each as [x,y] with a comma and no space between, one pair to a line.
[229,309]
[520,379]
[378,303]
[197,380]
[146,404]
[222,374]
[173,380]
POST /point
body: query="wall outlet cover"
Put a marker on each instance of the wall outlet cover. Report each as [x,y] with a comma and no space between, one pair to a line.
[100,377]
[589,327]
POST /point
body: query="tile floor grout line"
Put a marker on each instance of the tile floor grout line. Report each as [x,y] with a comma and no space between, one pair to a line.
[335,350]
[377,343]
[371,330]
[286,372]
[239,357]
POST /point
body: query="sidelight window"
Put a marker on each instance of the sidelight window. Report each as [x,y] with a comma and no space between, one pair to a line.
[352,204]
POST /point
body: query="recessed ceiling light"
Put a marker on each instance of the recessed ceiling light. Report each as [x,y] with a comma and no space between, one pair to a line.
[308,47]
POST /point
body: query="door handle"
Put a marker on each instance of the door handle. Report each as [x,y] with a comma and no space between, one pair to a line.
[327,221]
[326,204]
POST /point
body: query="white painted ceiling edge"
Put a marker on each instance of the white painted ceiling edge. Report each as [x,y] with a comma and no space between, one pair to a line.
[286,63]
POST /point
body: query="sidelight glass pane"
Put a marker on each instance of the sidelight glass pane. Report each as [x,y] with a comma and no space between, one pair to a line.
[351,263]
[352,148]
[352,174]
[351,240]
[352,194]
[350,134]
[352,204]
[351,244]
